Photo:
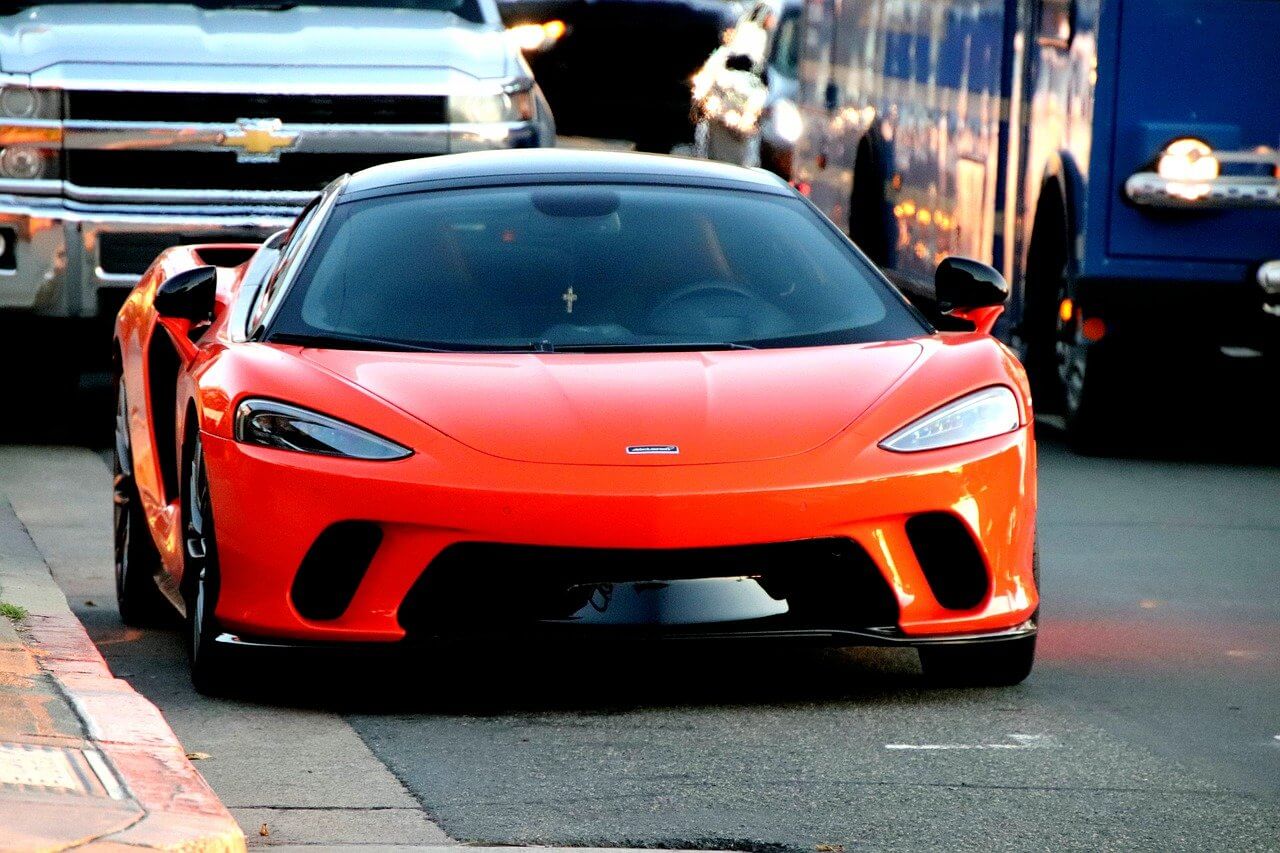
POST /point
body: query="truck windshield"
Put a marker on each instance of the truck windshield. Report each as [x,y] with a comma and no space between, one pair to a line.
[622,267]
[468,10]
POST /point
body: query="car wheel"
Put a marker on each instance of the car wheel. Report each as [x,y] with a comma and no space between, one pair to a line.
[997,663]
[1089,388]
[1000,663]
[209,669]
[137,560]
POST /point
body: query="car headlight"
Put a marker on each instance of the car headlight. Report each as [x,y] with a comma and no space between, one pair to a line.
[492,108]
[982,414]
[536,37]
[268,423]
[26,102]
[786,120]
[30,134]
[1187,160]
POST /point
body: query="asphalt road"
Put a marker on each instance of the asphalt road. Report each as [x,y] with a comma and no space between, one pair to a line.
[1152,720]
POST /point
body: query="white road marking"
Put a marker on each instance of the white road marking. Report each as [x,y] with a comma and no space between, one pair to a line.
[1022,742]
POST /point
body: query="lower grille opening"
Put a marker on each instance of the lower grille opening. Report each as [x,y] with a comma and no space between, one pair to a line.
[332,570]
[809,585]
[950,559]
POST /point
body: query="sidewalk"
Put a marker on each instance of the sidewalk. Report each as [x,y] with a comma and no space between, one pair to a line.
[84,760]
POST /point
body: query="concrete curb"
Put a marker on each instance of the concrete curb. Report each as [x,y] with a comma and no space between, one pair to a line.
[147,794]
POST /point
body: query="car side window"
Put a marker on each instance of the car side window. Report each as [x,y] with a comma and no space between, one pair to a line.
[289,251]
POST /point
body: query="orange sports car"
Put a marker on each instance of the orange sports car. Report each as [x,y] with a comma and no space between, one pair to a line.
[607,395]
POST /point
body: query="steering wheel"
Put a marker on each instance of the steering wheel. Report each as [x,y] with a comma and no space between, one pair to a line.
[701,288]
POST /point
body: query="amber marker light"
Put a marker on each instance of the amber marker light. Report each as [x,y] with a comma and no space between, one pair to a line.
[1066,309]
[13,134]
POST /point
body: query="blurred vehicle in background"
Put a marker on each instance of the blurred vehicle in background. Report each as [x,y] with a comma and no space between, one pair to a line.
[129,128]
[1117,160]
[619,69]
[744,95]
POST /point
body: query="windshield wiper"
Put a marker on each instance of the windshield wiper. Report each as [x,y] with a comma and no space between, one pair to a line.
[336,341]
[667,346]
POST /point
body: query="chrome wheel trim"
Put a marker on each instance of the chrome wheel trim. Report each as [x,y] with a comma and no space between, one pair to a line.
[122,517]
[197,492]
[197,616]
[124,452]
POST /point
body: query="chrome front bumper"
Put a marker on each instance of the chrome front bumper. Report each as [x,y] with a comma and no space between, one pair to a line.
[1226,192]
[55,265]
[56,268]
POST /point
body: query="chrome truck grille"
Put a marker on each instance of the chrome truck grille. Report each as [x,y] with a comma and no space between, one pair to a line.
[236,147]
[228,107]
[197,170]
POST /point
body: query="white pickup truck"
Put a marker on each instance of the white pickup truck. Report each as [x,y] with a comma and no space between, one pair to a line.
[128,127]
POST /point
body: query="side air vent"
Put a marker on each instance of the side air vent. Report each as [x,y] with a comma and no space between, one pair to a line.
[950,560]
[331,572]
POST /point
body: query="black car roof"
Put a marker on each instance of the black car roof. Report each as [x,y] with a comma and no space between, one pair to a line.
[556,165]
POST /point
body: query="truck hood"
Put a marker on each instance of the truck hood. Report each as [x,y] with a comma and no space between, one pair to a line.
[78,40]
[589,408]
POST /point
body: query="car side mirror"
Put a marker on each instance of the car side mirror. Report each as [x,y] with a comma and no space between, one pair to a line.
[739,62]
[190,295]
[971,291]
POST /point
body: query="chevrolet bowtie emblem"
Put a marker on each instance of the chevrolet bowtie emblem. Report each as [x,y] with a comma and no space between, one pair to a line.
[258,140]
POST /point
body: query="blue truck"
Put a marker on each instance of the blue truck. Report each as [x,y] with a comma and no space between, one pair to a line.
[1115,159]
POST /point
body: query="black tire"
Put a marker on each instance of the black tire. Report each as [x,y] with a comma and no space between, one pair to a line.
[869,219]
[1073,376]
[210,669]
[1093,403]
[137,560]
[46,388]
[996,663]
[1044,286]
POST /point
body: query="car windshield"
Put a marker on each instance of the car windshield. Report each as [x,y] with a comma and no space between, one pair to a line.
[626,267]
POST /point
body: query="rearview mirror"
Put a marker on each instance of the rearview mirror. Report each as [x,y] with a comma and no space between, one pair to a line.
[971,291]
[189,295]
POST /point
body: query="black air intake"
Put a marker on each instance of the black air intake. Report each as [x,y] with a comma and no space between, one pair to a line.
[331,572]
[950,559]
[827,584]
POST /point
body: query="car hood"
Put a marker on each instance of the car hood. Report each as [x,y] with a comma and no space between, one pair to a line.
[81,40]
[589,408]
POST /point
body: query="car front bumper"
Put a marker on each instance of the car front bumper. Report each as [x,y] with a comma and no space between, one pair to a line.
[270,506]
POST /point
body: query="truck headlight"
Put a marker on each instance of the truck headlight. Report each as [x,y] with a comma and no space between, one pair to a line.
[786,120]
[491,108]
[1187,161]
[536,37]
[982,414]
[23,163]
[27,102]
[268,423]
